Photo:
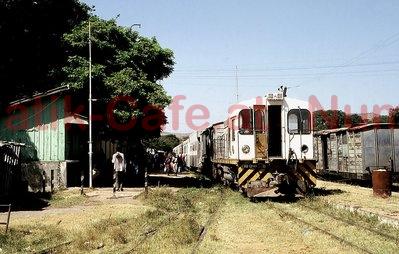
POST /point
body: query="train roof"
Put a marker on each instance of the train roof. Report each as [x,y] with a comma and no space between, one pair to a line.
[289,101]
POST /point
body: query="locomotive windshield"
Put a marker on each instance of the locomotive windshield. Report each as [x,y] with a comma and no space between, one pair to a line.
[246,121]
[299,121]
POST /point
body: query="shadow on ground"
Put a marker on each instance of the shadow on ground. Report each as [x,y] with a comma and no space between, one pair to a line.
[295,198]
[367,183]
[184,180]
[326,192]
[27,202]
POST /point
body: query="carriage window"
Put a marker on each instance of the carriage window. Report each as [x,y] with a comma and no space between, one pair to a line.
[233,130]
[299,121]
[245,122]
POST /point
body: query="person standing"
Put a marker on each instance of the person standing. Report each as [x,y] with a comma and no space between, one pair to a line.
[169,163]
[179,163]
[118,159]
[174,163]
[136,165]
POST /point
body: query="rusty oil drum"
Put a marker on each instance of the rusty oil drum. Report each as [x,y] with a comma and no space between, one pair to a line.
[382,183]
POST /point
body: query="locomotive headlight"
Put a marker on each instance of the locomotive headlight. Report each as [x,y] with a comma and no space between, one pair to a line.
[304,149]
[246,149]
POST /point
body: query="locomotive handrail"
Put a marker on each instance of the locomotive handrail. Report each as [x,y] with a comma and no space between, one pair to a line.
[300,129]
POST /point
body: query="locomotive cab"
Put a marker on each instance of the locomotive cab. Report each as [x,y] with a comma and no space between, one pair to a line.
[273,130]
[274,144]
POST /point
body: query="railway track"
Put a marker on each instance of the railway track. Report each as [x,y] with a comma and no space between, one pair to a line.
[147,235]
[209,222]
[348,222]
[283,213]
[286,212]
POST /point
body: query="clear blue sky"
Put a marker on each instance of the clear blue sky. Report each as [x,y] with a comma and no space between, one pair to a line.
[322,48]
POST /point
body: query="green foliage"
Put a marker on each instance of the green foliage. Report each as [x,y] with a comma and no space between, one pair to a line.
[45,44]
[163,143]
[329,119]
[31,46]
[355,119]
[394,115]
[380,119]
[123,64]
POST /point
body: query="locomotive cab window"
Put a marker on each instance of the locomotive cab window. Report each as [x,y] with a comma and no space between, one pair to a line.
[245,121]
[299,121]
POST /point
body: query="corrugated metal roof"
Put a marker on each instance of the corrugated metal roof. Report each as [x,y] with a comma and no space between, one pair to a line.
[375,126]
[2,143]
[40,95]
[358,128]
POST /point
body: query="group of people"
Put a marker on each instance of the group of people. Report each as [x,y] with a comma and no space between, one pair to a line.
[174,163]
[169,163]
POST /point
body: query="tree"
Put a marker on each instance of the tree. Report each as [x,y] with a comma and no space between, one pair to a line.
[354,119]
[394,115]
[125,66]
[31,46]
[45,45]
[380,119]
[329,119]
[163,143]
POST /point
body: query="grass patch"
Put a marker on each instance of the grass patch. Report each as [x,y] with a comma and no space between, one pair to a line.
[67,198]
[31,239]
[248,227]
[167,201]
[182,216]
[172,223]
[358,196]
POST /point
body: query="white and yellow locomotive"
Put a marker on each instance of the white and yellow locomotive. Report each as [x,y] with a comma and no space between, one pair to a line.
[265,145]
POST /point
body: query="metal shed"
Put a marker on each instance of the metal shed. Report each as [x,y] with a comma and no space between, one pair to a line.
[352,152]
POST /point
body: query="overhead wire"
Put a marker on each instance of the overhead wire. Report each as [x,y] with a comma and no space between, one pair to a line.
[298,75]
[381,44]
[350,63]
[179,71]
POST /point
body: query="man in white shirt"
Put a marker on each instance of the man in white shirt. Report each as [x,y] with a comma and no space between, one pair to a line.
[118,159]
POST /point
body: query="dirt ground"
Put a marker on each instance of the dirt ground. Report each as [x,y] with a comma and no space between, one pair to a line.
[98,203]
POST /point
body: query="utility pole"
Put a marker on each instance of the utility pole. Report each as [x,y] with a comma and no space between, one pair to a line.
[90,118]
[237,83]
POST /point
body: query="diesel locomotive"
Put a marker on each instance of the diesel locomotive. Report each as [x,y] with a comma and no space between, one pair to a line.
[265,146]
